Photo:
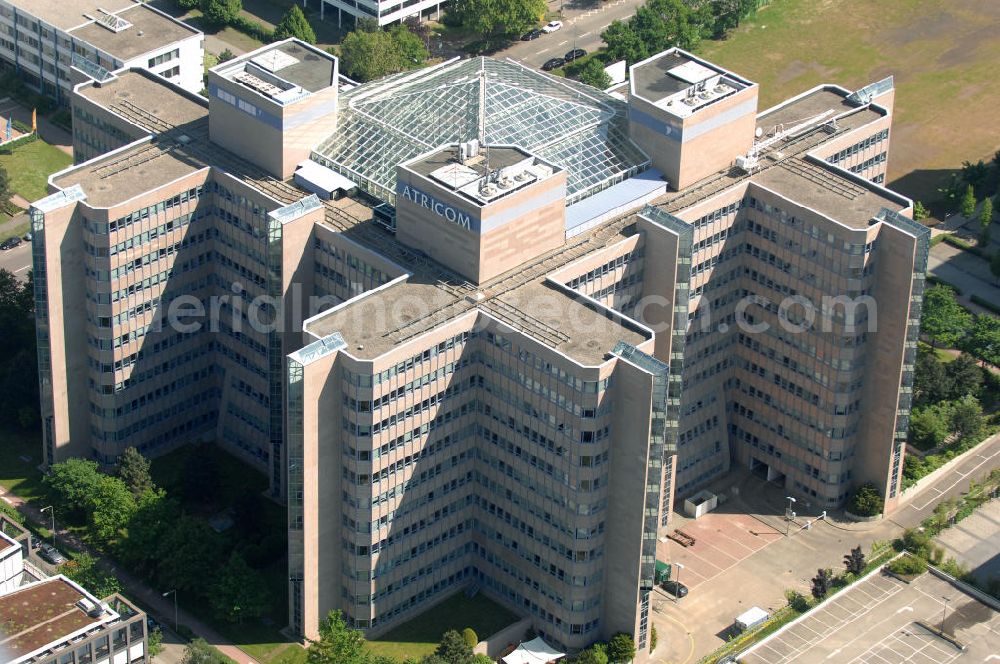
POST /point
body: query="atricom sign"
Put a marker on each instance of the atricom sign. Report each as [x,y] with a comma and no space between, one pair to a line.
[418,197]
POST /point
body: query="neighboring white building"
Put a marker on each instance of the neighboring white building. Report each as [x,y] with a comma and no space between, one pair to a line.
[42,39]
[384,11]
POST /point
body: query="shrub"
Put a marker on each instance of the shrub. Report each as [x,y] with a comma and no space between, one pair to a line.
[653,638]
[470,637]
[797,601]
[866,501]
[908,566]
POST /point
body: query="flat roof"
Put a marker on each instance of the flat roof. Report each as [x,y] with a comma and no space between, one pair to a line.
[292,61]
[151,93]
[150,30]
[66,14]
[808,105]
[816,187]
[39,614]
[521,299]
[445,168]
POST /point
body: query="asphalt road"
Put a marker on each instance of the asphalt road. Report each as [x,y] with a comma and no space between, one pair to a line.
[17,260]
[583,22]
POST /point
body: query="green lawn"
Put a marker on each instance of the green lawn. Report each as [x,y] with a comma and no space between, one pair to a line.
[30,166]
[17,475]
[943,60]
[420,636]
[17,230]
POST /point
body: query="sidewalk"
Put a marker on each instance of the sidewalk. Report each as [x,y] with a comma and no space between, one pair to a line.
[160,607]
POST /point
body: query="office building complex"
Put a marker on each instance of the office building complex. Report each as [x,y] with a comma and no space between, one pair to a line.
[481,324]
[383,11]
[43,40]
[52,620]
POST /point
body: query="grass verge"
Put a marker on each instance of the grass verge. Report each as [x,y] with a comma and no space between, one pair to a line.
[420,636]
[30,166]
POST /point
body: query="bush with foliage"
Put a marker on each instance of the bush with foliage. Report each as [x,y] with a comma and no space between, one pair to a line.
[369,54]
[496,18]
[797,601]
[621,648]
[854,562]
[221,12]
[821,583]
[866,501]
[908,565]
[592,73]
[470,637]
[200,652]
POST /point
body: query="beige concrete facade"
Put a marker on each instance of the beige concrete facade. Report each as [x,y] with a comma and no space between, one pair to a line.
[472,396]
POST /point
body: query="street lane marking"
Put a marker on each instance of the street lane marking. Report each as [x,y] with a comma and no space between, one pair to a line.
[21,269]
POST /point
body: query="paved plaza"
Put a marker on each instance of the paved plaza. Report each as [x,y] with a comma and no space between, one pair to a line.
[878,621]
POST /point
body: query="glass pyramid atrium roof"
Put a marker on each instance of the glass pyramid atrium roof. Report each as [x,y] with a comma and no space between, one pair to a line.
[392,120]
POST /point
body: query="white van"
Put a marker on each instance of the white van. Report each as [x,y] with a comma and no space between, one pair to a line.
[751,618]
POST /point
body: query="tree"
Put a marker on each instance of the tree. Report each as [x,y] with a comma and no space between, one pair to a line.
[854,562]
[83,570]
[821,583]
[189,552]
[337,644]
[366,56]
[189,4]
[975,174]
[968,204]
[411,48]
[237,594]
[294,24]
[470,637]
[624,43]
[931,381]
[919,211]
[72,483]
[983,339]
[155,641]
[155,514]
[621,648]
[480,658]
[221,12]
[653,638]
[995,266]
[967,417]
[986,213]
[226,56]
[111,507]
[593,74]
[591,655]
[133,469]
[498,18]
[453,648]
[943,319]
[200,652]
[929,426]
[963,376]
[866,501]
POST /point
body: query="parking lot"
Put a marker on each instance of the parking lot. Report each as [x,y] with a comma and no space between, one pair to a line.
[876,622]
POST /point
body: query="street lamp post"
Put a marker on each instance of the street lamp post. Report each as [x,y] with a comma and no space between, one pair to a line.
[176,623]
[52,511]
[944,612]
[679,567]
[788,514]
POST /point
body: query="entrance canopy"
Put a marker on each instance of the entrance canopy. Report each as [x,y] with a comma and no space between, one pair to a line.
[535,651]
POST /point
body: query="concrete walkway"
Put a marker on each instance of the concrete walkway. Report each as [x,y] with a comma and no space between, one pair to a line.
[132,587]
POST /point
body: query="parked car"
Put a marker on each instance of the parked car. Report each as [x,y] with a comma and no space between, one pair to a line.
[26,237]
[531,34]
[552,26]
[51,554]
[151,623]
[574,54]
[674,588]
[553,63]
[10,243]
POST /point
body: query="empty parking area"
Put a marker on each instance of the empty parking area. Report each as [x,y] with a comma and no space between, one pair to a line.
[721,541]
[876,621]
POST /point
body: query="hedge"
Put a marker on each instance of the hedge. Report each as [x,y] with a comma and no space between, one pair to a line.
[938,281]
[252,28]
